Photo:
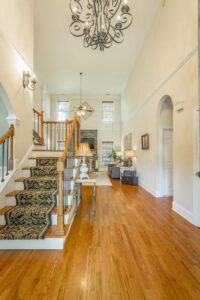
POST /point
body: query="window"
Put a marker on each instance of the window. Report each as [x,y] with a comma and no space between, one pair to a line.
[62,110]
[107,148]
[108,111]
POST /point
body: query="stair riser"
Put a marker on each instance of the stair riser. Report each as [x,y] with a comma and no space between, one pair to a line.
[20,185]
[27,173]
[2,220]
[47,153]
[67,218]
[11,201]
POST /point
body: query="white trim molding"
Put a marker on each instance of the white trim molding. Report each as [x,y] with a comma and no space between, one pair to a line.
[183,212]
[150,190]
[196,166]
[13,120]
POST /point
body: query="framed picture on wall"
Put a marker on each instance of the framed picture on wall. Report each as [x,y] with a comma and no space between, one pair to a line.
[145,141]
[128,142]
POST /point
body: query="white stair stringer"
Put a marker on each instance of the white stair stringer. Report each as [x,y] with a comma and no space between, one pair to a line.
[55,242]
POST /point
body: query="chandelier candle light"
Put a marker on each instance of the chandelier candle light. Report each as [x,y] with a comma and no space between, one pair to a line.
[100,22]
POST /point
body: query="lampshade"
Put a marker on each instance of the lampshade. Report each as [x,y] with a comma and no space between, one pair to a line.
[119,153]
[130,153]
[84,150]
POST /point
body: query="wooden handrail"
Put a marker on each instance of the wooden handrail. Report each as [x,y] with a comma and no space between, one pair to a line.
[64,156]
[37,112]
[9,133]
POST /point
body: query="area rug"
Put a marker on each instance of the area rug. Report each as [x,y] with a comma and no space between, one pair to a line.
[30,218]
[101,178]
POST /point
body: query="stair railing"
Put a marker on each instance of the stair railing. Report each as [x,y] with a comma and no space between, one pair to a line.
[65,161]
[55,133]
[51,134]
[38,124]
[6,152]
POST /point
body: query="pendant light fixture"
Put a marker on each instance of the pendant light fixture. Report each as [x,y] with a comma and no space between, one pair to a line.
[100,22]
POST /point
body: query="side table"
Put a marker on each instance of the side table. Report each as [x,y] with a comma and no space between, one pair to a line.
[79,182]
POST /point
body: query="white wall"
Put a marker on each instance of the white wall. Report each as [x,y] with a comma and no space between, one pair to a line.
[3,114]
[106,132]
[16,55]
[42,101]
[167,65]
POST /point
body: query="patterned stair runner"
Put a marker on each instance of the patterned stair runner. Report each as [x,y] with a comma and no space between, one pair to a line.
[30,218]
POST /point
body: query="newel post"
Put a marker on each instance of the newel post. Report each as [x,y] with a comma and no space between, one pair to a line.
[11,154]
[60,216]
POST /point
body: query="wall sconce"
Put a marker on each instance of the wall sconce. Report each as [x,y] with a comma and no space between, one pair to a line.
[29,81]
[179,106]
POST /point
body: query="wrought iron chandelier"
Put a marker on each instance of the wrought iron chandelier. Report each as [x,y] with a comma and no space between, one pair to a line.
[100,22]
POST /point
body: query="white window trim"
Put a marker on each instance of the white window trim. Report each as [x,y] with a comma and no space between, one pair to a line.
[113,120]
[102,151]
[57,108]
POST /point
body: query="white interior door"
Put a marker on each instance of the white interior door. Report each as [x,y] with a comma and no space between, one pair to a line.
[168,162]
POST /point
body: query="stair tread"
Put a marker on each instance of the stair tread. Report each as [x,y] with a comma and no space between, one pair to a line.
[21,179]
[44,157]
[66,211]
[54,210]
[13,193]
[43,150]
[48,157]
[66,168]
[5,209]
[51,233]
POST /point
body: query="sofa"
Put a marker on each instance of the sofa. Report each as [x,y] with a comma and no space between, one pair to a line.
[113,171]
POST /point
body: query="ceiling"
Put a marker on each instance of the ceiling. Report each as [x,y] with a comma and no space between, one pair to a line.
[60,57]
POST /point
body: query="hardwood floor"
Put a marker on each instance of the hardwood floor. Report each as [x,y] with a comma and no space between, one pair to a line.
[135,248]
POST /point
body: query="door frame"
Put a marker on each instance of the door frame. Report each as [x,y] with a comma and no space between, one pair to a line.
[196,164]
[163,169]
[160,191]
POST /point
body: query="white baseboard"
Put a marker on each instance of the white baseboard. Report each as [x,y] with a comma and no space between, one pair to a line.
[148,189]
[183,212]
[43,244]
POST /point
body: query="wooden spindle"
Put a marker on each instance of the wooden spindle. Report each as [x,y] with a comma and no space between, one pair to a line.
[11,156]
[42,128]
[60,216]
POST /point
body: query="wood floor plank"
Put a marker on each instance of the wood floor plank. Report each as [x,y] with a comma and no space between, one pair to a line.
[135,248]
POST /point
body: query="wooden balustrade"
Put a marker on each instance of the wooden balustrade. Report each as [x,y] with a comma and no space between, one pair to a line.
[6,143]
[38,124]
[70,150]
[52,134]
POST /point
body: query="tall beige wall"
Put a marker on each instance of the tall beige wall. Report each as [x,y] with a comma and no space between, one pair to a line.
[167,65]
[106,132]
[16,55]
[42,101]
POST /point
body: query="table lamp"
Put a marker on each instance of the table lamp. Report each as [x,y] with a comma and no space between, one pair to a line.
[84,151]
[130,154]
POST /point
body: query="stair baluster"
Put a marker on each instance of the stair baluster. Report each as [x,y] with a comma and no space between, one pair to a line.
[66,161]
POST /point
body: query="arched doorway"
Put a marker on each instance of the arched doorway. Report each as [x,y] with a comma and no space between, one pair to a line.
[165,147]
[5,110]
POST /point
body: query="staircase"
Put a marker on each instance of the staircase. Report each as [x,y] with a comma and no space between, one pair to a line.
[40,210]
